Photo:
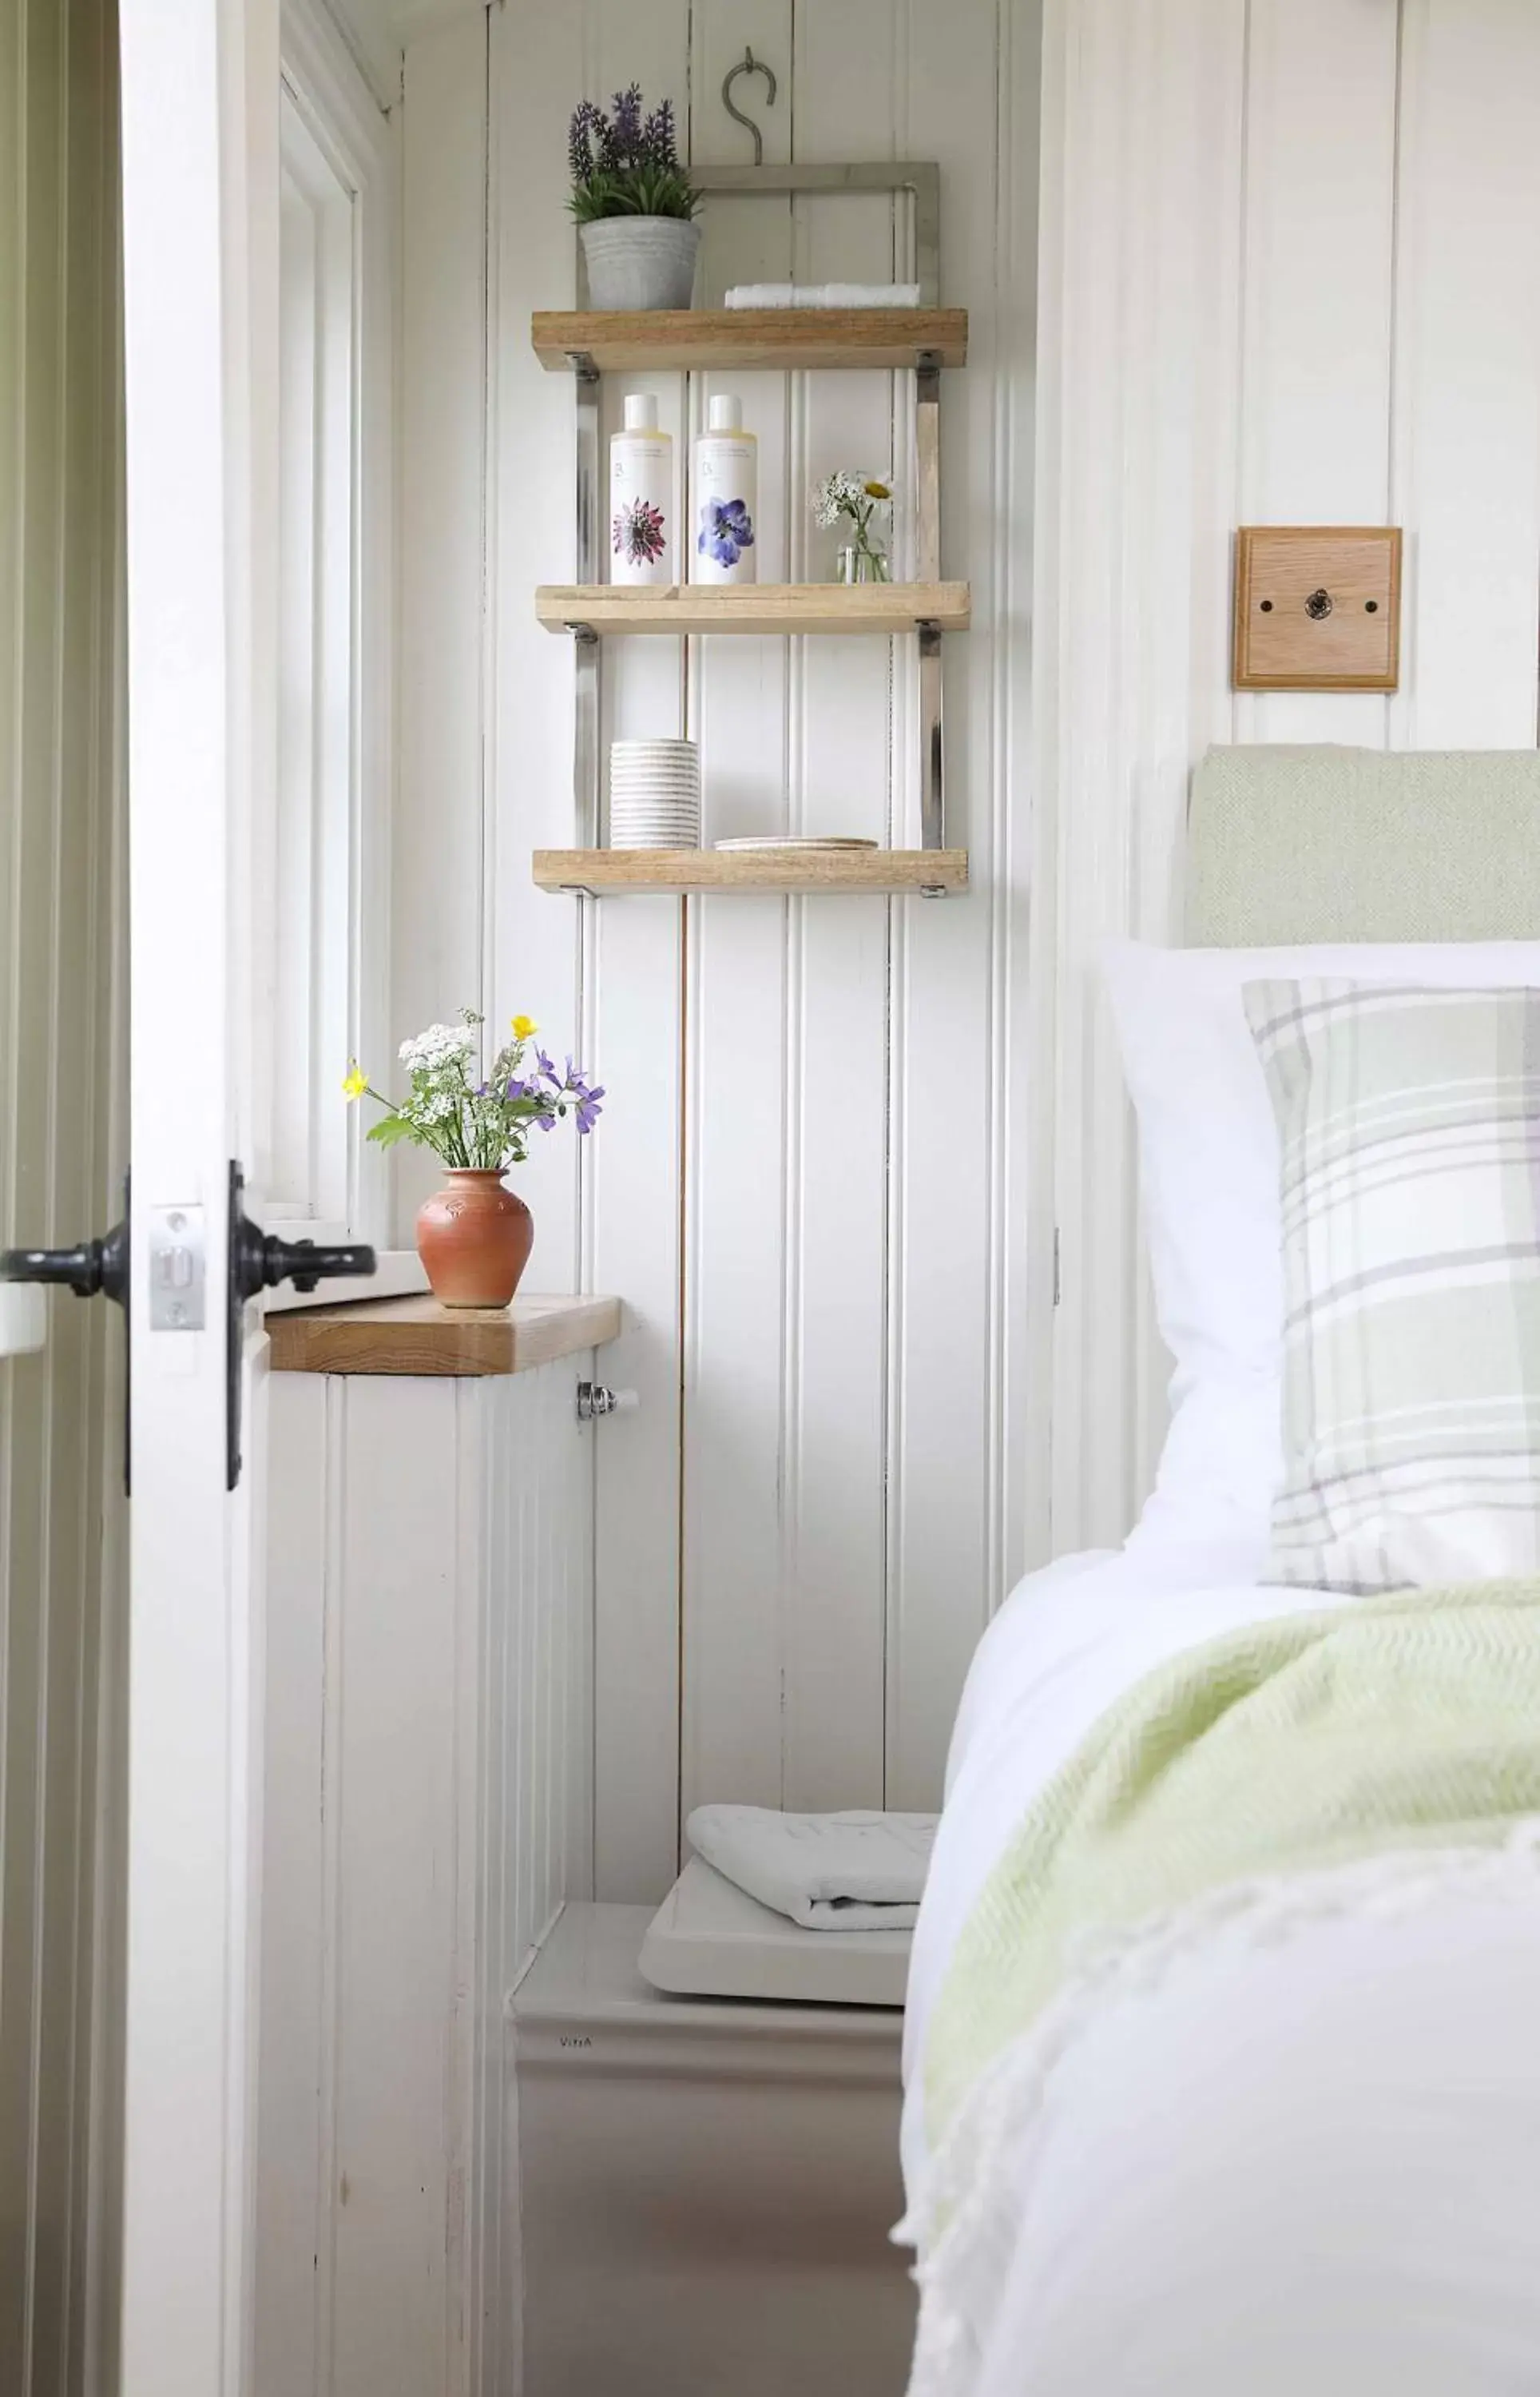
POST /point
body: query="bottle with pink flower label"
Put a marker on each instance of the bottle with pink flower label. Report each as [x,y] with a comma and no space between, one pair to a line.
[641,499]
[726,497]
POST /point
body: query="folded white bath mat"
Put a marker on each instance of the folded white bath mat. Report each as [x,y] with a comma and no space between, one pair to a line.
[828,1873]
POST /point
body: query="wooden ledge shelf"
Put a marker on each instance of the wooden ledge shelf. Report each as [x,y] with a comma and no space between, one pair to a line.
[747,872]
[771,338]
[416,1336]
[755,608]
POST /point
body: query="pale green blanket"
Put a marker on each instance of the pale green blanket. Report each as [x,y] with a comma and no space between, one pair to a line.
[1411,1722]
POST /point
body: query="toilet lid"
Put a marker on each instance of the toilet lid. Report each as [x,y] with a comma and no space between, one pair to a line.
[710,1939]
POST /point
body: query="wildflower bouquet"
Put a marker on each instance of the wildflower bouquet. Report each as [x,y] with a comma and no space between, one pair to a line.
[852,498]
[625,165]
[482,1125]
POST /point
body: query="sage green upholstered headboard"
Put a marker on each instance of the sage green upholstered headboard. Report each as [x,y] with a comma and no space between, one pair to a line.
[1325,844]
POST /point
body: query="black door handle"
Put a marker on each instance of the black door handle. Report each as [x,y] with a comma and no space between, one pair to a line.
[260,1261]
[95,1268]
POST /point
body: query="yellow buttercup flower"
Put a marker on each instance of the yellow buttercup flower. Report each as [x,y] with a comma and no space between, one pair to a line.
[525,1027]
[356,1081]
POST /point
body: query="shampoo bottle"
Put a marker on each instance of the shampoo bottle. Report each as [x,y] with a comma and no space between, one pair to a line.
[641,499]
[726,497]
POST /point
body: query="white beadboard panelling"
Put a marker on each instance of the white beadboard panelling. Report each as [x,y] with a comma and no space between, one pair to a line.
[827,1318]
[429,1757]
[1468,375]
[963,1477]
[634,1001]
[1319,239]
[292,2285]
[1323,206]
[1140,339]
[437,861]
[62,838]
[739,1135]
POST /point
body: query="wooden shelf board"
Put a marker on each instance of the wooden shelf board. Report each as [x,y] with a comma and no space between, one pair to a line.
[749,337]
[416,1336]
[750,871]
[755,608]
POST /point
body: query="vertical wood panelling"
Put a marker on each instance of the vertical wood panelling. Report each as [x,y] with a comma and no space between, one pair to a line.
[1139,342]
[1322,207]
[60,795]
[740,1030]
[1318,234]
[825,1309]
[437,861]
[960,971]
[634,1020]
[1468,375]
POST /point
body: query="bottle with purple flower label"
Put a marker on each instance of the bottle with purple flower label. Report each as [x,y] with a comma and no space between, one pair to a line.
[641,496]
[726,497]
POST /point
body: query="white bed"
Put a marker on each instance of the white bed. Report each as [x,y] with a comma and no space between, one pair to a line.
[1253,2180]
[1293,2141]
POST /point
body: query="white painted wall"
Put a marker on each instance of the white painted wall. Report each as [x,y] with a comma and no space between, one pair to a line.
[429,1773]
[61,1157]
[1284,280]
[811,1184]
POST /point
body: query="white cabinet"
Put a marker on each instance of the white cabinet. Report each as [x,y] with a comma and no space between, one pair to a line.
[429,1805]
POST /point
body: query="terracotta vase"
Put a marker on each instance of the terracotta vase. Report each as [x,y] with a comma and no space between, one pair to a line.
[474,1238]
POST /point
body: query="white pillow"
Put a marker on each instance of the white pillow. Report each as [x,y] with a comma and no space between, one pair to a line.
[1209,1175]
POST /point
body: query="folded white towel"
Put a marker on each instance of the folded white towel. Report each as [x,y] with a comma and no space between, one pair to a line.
[824,295]
[828,1873]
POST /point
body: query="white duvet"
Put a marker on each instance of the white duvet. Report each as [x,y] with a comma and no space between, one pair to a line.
[1265,2174]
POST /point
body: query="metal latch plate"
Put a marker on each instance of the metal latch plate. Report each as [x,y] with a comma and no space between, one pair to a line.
[178,1269]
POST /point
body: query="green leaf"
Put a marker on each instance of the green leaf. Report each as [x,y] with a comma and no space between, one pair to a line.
[391,1129]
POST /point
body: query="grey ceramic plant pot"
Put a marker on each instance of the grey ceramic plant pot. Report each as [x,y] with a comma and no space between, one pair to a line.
[641,262]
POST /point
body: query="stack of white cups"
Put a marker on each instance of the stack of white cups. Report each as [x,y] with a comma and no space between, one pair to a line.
[655,794]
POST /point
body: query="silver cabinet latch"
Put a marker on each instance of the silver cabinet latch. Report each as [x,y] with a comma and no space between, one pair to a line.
[594,1399]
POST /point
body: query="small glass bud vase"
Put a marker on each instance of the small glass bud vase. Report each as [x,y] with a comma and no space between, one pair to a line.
[855,563]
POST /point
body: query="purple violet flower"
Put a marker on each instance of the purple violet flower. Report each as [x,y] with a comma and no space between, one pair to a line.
[727,530]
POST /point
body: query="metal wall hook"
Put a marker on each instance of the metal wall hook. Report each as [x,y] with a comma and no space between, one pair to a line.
[750,65]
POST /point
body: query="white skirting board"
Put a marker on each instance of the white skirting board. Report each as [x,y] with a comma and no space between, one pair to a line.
[429,1804]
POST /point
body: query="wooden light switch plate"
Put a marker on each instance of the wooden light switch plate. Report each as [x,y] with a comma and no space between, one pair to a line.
[1317,607]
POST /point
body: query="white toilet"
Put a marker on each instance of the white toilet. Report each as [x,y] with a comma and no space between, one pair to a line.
[707,2182]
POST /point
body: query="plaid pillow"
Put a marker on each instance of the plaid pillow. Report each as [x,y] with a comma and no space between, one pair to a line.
[1409,1127]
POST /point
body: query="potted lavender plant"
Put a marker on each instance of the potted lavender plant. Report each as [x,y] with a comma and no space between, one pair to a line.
[634,204]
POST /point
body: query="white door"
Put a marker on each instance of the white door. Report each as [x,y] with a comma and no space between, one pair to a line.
[201,97]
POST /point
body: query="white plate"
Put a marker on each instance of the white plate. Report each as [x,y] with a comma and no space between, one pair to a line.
[773,840]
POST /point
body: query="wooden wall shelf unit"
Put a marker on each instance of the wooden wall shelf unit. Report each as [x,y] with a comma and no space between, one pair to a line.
[755,608]
[753,872]
[588,343]
[702,339]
